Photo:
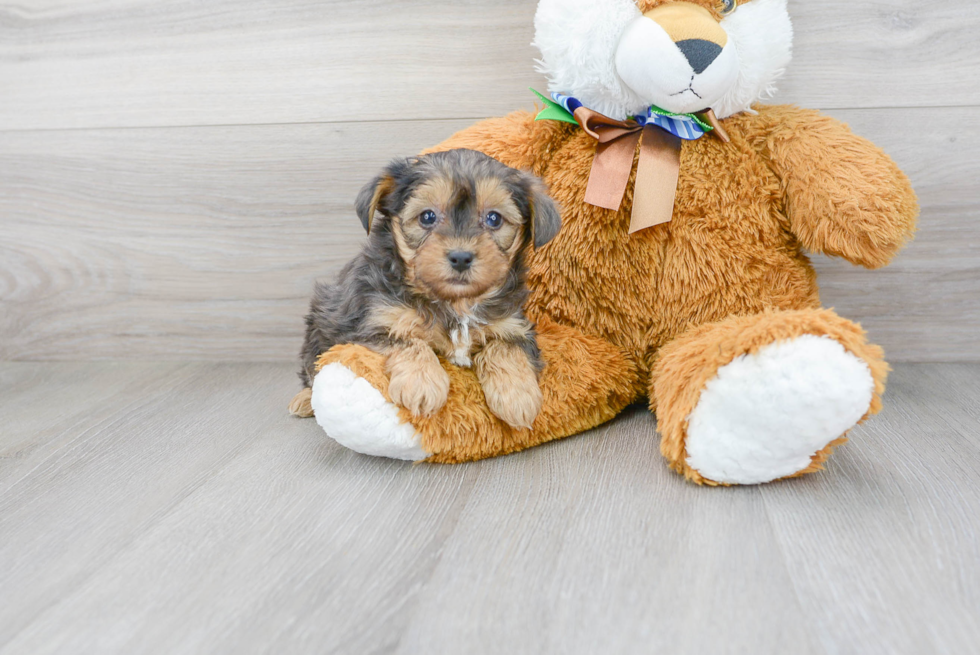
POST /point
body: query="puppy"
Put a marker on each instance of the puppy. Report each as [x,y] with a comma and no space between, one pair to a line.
[442,274]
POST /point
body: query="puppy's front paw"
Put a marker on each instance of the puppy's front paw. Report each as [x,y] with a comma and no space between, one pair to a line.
[510,385]
[417,380]
[421,392]
[517,404]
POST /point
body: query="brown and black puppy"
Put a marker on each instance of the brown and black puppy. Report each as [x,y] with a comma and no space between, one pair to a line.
[442,274]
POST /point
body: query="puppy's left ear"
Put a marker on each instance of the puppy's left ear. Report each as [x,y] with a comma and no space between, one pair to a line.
[545,216]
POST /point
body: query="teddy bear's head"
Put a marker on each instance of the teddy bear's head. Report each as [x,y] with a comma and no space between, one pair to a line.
[618,57]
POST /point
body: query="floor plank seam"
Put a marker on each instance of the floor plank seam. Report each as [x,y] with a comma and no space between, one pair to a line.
[437,560]
[815,640]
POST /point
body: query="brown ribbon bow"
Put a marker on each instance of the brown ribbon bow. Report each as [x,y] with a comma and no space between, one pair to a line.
[656,172]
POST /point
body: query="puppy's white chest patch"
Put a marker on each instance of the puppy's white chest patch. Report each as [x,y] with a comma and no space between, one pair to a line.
[463,341]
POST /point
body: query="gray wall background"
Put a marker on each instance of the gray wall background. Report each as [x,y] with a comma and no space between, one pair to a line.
[174,175]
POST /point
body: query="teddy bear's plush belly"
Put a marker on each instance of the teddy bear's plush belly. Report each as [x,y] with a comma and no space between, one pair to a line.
[726,252]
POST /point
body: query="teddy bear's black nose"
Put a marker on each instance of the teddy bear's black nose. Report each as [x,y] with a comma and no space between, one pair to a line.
[460,259]
[699,53]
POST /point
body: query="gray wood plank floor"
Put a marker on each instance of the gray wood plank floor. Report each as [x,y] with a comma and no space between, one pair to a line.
[175,508]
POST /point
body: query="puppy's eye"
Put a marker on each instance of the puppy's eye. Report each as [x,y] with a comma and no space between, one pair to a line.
[727,6]
[428,218]
[493,220]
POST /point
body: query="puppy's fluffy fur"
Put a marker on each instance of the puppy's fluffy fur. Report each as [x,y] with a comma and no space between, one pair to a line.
[442,274]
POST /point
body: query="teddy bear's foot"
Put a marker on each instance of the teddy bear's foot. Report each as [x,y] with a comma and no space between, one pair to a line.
[763,398]
[765,415]
[356,415]
[585,382]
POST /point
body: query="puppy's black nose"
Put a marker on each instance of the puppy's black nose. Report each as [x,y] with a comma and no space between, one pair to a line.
[461,260]
[699,53]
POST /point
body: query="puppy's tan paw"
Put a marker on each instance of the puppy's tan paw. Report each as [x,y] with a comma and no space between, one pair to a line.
[516,404]
[300,404]
[421,392]
[417,380]
[510,385]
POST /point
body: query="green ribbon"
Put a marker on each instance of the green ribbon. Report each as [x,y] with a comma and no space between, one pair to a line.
[553,111]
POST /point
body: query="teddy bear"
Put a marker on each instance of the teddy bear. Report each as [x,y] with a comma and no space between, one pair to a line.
[680,275]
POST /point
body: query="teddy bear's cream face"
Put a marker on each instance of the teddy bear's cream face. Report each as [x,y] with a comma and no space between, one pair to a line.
[621,56]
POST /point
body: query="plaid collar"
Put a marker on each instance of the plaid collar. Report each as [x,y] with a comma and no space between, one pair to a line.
[689,127]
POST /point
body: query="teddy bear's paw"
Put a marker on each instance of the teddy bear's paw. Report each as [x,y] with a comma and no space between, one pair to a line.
[765,415]
[356,415]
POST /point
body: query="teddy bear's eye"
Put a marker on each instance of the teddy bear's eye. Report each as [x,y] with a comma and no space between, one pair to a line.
[728,6]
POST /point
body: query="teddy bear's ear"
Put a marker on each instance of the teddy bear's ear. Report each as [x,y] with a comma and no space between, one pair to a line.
[371,198]
[545,215]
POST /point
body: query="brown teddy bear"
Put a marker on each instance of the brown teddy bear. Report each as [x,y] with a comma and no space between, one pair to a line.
[700,297]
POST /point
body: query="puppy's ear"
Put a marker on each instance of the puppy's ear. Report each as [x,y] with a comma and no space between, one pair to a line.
[371,197]
[545,215]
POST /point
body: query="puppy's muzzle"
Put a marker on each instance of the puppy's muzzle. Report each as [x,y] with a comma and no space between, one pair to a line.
[461,260]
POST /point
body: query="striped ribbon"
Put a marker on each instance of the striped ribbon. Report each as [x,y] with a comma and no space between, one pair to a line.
[683,126]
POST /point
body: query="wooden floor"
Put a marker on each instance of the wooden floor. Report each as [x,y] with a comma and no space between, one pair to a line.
[175,508]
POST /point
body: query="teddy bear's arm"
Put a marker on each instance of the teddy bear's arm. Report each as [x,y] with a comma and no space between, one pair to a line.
[515,140]
[843,195]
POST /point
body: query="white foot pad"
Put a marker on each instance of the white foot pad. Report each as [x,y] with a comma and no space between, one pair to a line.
[356,415]
[764,416]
